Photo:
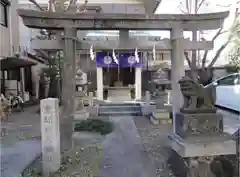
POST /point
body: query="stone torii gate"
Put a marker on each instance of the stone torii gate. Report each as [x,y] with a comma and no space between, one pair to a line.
[71,22]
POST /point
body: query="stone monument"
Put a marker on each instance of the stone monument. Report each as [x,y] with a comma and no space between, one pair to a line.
[81,83]
[50,133]
[161,114]
[161,81]
[198,129]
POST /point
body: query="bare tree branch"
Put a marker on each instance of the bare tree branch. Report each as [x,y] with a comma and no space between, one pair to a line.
[217,34]
[189,64]
[204,58]
[51,6]
[83,7]
[36,4]
[71,3]
[187,6]
[183,11]
[200,5]
[195,6]
[237,12]
[190,6]
[218,53]
[188,60]
[233,32]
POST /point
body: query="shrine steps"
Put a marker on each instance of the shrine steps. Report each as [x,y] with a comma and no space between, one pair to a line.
[119,109]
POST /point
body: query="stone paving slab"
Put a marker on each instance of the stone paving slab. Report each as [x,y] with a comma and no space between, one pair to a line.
[123,152]
[16,158]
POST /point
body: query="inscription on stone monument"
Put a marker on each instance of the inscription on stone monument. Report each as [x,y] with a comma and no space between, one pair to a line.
[50,135]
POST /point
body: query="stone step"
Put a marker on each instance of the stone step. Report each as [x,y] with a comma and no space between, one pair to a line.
[119,114]
[162,114]
[110,109]
[113,106]
[119,109]
[118,104]
[159,121]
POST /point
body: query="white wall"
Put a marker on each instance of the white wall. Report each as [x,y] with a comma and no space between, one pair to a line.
[9,36]
[5,46]
[26,33]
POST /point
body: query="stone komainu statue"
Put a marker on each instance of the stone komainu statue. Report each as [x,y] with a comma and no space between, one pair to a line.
[195,95]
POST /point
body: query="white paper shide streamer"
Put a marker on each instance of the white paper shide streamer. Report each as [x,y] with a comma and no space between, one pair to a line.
[136,55]
[154,52]
[114,57]
[92,53]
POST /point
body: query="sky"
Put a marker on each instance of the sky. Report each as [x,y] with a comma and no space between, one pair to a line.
[213,6]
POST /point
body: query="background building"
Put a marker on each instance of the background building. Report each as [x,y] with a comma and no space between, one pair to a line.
[17,65]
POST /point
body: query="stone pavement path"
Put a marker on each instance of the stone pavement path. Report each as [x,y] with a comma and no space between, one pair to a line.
[123,152]
[20,143]
[16,158]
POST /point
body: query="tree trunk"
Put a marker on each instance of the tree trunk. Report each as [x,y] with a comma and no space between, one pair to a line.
[194,57]
[53,87]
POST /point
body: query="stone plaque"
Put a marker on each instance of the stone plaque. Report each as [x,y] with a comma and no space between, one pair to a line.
[50,134]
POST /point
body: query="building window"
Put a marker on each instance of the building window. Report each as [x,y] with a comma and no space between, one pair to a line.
[4,12]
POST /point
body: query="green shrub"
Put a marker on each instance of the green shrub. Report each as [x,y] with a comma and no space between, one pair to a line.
[93,125]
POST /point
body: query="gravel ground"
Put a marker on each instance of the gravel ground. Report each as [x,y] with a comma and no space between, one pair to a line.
[121,155]
[154,138]
[78,162]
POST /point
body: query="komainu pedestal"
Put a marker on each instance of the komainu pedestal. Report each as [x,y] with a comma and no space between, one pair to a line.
[196,125]
[80,112]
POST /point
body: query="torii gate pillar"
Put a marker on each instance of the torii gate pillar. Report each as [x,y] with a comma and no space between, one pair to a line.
[69,70]
[177,70]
